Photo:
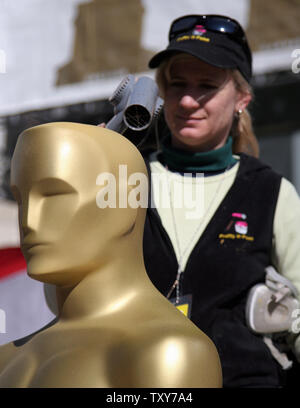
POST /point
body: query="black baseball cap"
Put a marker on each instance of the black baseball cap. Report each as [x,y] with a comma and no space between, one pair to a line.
[215,39]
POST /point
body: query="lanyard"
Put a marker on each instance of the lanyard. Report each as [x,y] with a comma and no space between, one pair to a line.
[177,282]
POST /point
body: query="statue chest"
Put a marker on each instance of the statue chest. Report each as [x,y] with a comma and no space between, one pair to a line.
[85,359]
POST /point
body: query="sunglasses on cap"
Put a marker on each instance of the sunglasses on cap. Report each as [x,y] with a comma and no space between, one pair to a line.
[212,22]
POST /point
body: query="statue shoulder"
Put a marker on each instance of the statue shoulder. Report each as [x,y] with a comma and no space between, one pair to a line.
[177,357]
[7,352]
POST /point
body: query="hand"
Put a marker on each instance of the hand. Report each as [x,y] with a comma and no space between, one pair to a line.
[103,124]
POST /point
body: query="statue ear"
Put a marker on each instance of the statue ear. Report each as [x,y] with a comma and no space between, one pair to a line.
[128,214]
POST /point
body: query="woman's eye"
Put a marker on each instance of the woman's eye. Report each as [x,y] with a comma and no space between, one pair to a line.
[208,86]
[177,84]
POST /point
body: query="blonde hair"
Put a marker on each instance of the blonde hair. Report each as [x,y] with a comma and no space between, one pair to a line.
[244,139]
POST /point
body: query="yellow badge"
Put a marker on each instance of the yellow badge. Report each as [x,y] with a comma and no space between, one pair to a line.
[184,304]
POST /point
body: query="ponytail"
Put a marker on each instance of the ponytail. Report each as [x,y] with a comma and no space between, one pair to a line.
[244,139]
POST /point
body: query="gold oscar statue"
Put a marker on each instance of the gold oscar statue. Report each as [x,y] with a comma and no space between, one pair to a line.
[113,329]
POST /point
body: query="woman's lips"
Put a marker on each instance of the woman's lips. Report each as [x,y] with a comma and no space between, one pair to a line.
[189,118]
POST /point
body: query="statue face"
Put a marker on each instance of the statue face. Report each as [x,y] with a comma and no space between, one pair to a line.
[63,232]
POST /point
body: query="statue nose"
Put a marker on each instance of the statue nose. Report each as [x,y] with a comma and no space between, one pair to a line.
[30,214]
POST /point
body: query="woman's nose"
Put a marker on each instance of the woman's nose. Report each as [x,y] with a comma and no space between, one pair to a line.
[189,101]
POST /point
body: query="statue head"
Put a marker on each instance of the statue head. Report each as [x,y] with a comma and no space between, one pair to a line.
[71,182]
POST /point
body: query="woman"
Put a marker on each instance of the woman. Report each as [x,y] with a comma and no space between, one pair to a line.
[205,254]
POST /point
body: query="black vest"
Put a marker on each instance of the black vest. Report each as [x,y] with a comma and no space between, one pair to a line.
[229,258]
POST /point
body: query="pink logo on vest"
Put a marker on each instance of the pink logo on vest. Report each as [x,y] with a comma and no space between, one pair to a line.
[236,229]
[241,227]
[239,215]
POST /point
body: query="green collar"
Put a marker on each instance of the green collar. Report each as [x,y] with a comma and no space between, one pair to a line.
[212,161]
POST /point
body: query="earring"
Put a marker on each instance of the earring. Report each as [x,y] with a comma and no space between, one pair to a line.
[238,113]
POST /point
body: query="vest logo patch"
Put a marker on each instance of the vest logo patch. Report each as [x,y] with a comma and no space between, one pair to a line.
[241,227]
[237,228]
